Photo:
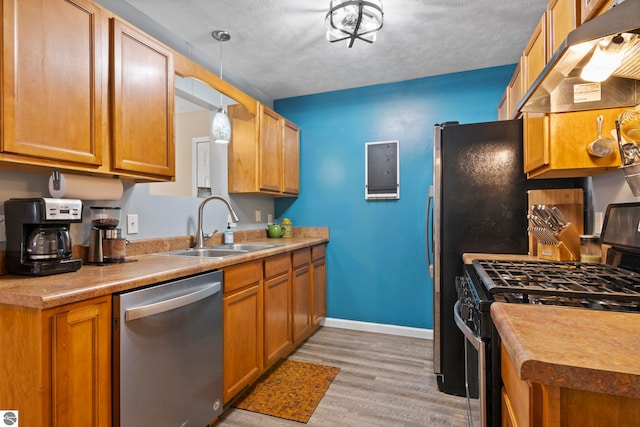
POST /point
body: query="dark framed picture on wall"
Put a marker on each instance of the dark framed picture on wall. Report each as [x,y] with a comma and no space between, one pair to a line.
[382,170]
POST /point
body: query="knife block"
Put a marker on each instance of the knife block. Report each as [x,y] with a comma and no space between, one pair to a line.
[567,248]
[557,252]
[571,202]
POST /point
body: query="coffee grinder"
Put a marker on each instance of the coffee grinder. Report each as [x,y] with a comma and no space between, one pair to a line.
[38,237]
[106,245]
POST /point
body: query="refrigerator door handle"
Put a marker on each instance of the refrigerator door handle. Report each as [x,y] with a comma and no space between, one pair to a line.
[429,236]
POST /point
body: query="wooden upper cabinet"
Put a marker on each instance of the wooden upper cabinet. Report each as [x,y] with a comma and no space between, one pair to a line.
[534,57]
[535,131]
[290,158]
[264,152]
[54,80]
[593,8]
[142,103]
[503,106]
[563,17]
[563,139]
[269,147]
[515,90]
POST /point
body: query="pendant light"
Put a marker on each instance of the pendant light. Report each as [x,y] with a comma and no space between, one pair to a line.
[220,127]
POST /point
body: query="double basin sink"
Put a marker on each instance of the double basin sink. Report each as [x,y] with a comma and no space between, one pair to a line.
[221,251]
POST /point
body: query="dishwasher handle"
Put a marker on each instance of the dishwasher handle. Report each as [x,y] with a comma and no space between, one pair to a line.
[170,304]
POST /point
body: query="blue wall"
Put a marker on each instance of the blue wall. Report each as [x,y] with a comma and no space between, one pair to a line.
[376,258]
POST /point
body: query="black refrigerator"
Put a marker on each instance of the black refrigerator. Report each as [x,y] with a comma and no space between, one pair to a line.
[478,203]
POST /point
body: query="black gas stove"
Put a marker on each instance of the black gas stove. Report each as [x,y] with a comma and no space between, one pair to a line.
[613,286]
[586,285]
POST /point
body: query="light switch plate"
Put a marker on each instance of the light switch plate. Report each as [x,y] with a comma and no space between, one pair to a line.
[258,215]
[132,223]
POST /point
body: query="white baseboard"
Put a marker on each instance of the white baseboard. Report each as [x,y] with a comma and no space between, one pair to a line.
[381,328]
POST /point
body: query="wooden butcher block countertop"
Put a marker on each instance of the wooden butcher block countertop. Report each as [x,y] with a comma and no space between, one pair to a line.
[573,348]
[138,270]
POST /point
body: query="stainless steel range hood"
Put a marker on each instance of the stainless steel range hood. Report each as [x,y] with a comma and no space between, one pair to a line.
[559,87]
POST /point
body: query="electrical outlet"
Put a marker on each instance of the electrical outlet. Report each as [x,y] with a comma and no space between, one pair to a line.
[269,218]
[258,215]
[132,224]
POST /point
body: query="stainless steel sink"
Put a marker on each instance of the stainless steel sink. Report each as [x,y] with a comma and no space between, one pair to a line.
[205,253]
[221,251]
[246,247]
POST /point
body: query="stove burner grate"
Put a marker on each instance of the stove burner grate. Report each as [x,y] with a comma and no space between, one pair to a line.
[582,281]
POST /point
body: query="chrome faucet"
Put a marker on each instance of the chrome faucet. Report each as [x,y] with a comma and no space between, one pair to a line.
[200,235]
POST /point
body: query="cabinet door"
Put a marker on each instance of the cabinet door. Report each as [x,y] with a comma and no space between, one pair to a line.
[515,90]
[593,8]
[53,77]
[503,106]
[270,150]
[277,323]
[243,326]
[508,417]
[142,103]
[535,54]
[81,365]
[290,158]
[319,282]
[301,325]
[536,141]
[562,19]
[242,152]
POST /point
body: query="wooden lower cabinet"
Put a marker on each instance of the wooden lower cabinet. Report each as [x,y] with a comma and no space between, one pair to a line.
[277,307]
[243,326]
[270,306]
[56,364]
[319,283]
[527,404]
[81,365]
[301,295]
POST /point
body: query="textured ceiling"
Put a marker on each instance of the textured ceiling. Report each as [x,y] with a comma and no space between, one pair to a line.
[279,46]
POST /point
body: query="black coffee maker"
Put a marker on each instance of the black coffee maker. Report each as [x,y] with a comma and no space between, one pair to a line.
[38,238]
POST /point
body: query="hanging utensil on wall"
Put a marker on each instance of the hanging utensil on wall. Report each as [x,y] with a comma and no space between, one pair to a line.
[601,147]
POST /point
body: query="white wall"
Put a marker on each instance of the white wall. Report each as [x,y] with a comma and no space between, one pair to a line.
[610,187]
[158,216]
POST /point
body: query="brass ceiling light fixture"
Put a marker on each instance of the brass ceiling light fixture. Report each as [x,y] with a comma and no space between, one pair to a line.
[353,19]
[220,127]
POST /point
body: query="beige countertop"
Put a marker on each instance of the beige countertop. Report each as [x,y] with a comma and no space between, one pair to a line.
[571,347]
[138,270]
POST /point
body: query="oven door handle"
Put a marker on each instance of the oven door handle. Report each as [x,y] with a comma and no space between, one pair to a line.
[479,345]
[466,330]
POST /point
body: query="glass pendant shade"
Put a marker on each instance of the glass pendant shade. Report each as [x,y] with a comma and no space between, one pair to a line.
[220,127]
[353,19]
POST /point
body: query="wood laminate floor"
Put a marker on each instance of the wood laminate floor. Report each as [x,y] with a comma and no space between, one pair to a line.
[384,381]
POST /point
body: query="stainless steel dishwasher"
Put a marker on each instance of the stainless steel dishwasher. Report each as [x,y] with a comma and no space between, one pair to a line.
[167,344]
